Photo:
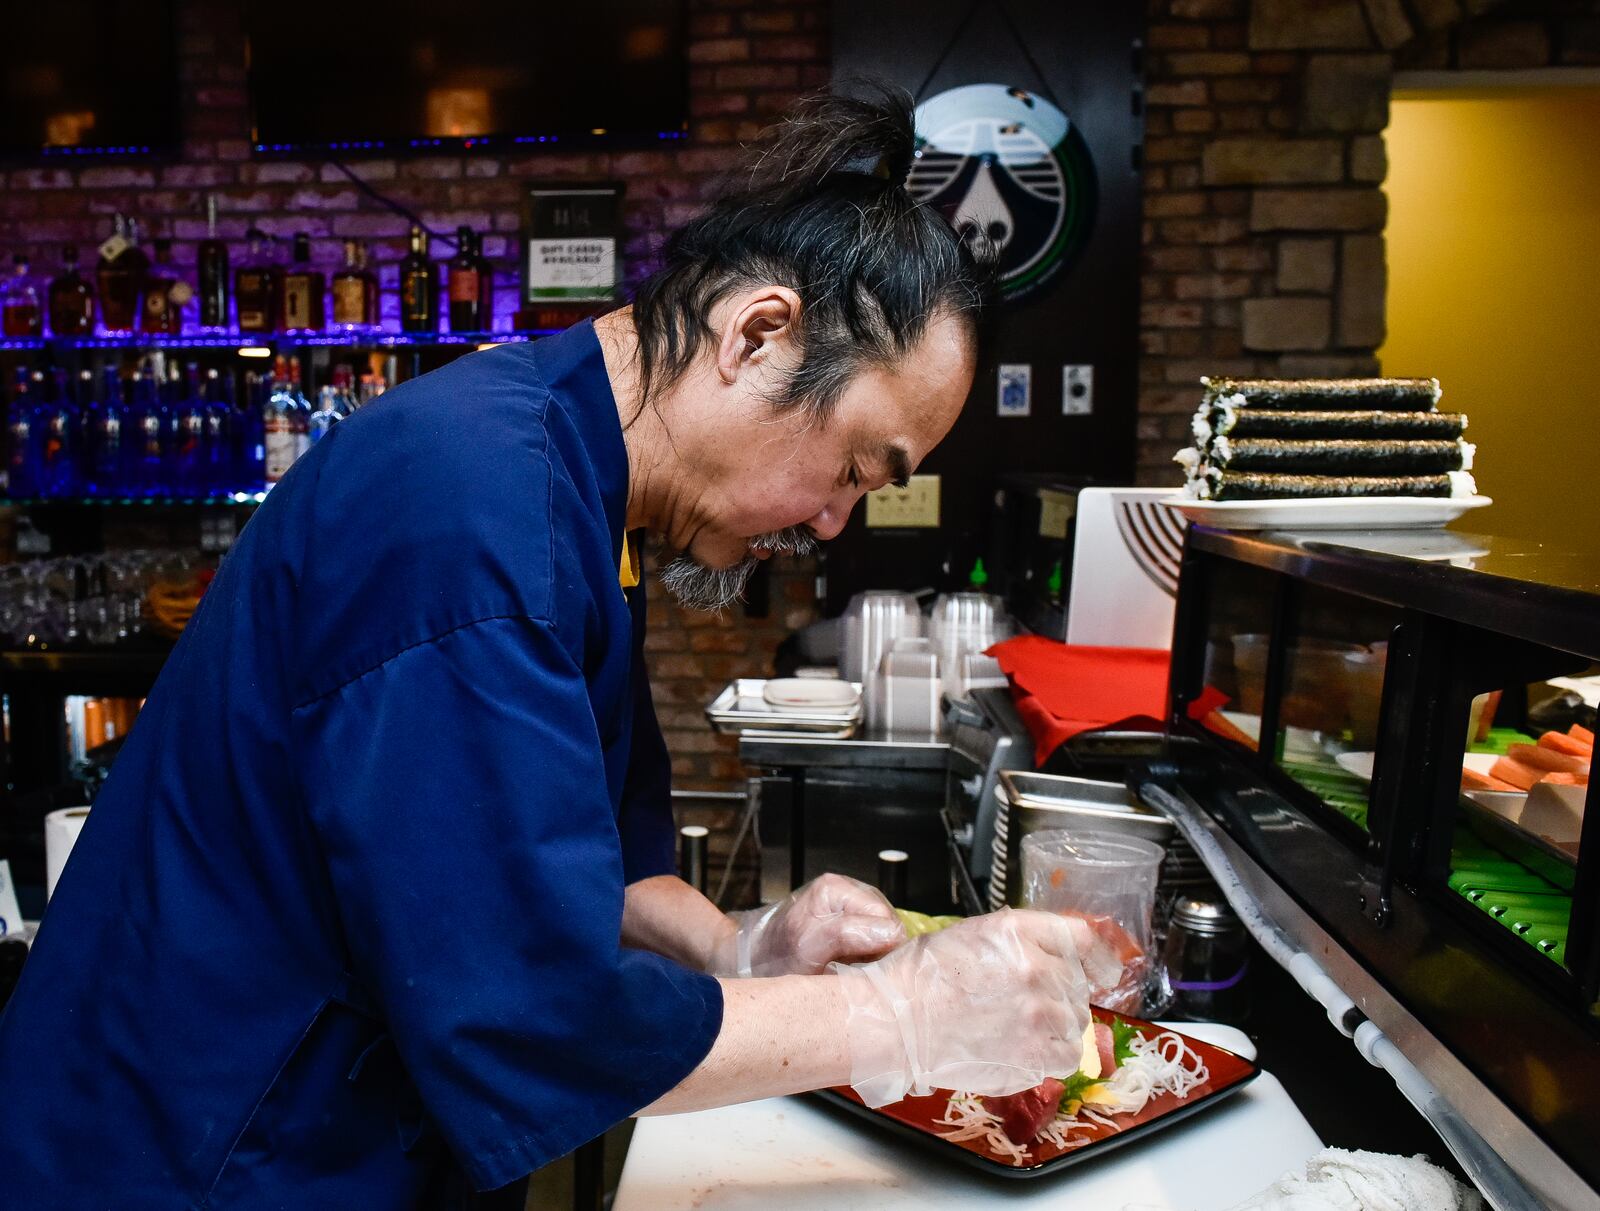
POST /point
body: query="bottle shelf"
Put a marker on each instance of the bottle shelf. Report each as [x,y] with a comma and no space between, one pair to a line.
[235,500]
[235,340]
[136,666]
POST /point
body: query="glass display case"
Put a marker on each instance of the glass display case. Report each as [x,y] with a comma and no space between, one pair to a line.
[1398,729]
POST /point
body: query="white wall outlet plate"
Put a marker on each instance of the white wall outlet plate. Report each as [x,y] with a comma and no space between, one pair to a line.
[1077,390]
[1014,394]
[915,505]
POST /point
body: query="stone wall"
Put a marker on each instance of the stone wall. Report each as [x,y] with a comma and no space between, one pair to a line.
[1264,212]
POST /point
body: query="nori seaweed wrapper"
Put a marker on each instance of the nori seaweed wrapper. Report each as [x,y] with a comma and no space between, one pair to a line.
[1351,426]
[1251,485]
[1326,394]
[1336,457]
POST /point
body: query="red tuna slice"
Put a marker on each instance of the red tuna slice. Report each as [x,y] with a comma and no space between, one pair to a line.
[1025,1114]
[1105,1045]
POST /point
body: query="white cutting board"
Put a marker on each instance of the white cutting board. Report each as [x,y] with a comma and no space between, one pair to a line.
[792,1154]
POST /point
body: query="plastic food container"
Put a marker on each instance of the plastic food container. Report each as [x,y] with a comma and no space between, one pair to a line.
[1109,879]
[870,625]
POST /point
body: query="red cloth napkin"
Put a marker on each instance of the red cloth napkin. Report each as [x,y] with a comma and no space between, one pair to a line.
[1062,690]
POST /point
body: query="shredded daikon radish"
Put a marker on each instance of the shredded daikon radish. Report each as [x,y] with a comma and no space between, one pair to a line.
[966,1113]
[1161,1063]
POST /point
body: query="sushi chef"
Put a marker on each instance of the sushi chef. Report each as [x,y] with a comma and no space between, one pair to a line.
[377,907]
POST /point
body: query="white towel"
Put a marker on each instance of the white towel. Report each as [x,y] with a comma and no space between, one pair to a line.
[1336,1180]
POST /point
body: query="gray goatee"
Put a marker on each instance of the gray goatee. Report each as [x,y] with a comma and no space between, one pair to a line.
[697,587]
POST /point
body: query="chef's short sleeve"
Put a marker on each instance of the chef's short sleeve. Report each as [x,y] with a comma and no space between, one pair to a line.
[645,818]
[459,794]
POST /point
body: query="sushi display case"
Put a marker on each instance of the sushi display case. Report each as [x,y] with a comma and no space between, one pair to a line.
[1380,743]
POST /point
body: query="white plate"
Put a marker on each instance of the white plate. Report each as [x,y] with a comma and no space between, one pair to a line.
[1297,741]
[1360,763]
[1329,512]
[810,694]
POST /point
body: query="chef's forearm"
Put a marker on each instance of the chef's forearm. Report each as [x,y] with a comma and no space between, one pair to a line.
[667,916]
[779,1036]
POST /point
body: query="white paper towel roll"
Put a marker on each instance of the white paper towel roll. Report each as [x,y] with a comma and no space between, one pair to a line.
[61,829]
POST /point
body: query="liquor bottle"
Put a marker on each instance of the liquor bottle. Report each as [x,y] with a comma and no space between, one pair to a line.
[350,293]
[19,307]
[419,287]
[470,286]
[145,439]
[374,296]
[278,424]
[303,286]
[71,298]
[344,396]
[120,276]
[212,258]
[249,435]
[165,296]
[217,469]
[257,287]
[58,440]
[326,414]
[22,453]
[187,457]
[301,416]
[103,429]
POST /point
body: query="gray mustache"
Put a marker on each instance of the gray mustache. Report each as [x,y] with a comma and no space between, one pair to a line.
[792,540]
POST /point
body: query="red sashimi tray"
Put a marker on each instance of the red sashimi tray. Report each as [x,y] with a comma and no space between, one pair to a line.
[916,1118]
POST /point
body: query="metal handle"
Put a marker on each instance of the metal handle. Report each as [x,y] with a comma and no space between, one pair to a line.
[893,865]
[692,855]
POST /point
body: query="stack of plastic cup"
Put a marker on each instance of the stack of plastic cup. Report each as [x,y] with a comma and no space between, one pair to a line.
[962,625]
[872,622]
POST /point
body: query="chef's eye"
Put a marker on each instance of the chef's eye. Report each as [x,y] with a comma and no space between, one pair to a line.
[853,477]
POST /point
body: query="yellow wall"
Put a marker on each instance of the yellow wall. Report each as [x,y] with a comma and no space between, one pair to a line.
[1494,288]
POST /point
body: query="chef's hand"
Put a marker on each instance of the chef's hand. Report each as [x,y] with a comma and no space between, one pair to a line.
[830,918]
[990,1006]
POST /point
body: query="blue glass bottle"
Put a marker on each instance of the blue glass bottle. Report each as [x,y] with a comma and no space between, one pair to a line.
[58,438]
[145,440]
[216,474]
[250,436]
[104,426]
[22,455]
[187,459]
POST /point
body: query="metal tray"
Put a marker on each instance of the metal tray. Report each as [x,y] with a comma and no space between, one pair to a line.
[1057,801]
[740,709]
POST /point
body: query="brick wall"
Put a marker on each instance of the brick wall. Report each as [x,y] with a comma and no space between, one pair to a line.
[1264,212]
[748,61]
[693,655]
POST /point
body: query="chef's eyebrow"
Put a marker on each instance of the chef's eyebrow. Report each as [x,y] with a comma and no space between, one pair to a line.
[899,464]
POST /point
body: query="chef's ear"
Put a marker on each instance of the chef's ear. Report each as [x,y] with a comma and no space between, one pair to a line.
[758,324]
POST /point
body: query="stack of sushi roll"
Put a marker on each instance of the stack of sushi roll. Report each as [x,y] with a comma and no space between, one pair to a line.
[1269,439]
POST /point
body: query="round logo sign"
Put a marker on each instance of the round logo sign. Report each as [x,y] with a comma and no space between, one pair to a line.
[1013,176]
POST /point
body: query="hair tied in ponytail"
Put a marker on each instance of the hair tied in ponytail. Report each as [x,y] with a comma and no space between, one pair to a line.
[880,165]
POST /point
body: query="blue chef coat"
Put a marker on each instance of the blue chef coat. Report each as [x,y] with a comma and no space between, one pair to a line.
[348,911]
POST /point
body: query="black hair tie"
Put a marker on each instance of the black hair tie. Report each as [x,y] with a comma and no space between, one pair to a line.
[877,164]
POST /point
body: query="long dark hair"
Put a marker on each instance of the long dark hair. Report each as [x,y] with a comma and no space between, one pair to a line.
[822,208]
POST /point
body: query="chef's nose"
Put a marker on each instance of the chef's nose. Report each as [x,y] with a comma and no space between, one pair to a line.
[826,523]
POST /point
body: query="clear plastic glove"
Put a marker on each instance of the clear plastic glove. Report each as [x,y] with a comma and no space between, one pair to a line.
[1113,961]
[832,917]
[991,1006]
